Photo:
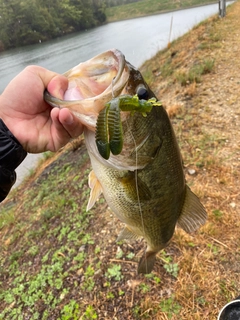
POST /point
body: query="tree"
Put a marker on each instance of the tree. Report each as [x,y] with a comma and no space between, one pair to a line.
[30,21]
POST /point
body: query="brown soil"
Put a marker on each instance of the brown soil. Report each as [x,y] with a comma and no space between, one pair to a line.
[206,117]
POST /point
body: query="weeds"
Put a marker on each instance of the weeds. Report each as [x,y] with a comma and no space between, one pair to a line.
[114,272]
[172,268]
[218,214]
[7,217]
[170,307]
[70,311]
[90,313]
[167,69]
[88,283]
[169,266]
[119,253]
[144,288]
[130,255]
[155,278]
[47,284]
[195,72]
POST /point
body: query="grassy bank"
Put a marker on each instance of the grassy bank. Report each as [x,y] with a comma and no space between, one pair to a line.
[58,261]
[149,7]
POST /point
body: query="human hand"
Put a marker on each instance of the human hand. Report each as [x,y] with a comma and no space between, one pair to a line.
[35,124]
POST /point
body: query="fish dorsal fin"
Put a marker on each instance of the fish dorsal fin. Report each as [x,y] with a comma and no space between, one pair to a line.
[127,234]
[96,189]
[193,213]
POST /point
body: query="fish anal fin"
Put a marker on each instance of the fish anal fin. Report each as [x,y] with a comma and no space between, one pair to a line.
[146,262]
[96,189]
[193,214]
[127,234]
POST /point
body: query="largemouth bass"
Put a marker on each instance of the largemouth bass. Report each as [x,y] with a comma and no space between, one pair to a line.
[143,183]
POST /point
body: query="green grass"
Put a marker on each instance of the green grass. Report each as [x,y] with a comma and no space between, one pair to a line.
[44,282]
[170,306]
[114,272]
[195,73]
[148,7]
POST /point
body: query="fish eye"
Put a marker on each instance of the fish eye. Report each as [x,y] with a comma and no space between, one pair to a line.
[142,93]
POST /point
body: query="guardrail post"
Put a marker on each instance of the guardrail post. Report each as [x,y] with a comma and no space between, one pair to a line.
[222,8]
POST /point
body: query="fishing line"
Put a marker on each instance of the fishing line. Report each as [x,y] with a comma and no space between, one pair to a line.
[136,182]
[136,171]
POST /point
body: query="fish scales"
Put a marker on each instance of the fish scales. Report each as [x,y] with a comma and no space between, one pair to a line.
[161,185]
[144,185]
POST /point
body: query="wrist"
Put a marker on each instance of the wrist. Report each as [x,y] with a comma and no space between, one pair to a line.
[8,121]
[4,108]
[11,151]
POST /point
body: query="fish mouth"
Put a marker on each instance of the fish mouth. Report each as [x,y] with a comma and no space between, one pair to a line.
[92,84]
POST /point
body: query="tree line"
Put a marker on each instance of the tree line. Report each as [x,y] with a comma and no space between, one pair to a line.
[32,21]
[25,22]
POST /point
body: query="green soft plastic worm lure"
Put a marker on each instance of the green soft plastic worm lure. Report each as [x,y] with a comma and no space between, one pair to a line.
[109,133]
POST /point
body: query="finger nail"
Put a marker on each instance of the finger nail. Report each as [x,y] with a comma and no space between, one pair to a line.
[69,120]
[60,94]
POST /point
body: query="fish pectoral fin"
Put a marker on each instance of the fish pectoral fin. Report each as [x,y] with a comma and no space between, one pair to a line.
[135,188]
[96,189]
[193,214]
[127,234]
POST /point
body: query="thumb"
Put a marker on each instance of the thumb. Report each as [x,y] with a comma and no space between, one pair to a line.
[55,83]
[57,86]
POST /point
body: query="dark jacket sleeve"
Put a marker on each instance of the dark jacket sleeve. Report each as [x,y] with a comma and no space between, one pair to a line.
[11,155]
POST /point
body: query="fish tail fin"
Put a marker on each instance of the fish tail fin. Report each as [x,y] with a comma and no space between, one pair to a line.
[146,262]
[193,214]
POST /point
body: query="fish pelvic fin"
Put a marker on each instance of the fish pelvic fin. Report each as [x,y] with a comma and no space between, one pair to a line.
[193,214]
[146,262]
[127,234]
[96,189]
